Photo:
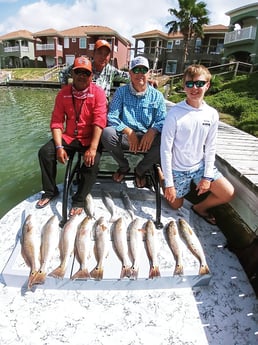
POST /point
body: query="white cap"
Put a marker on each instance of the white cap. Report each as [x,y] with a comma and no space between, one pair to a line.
[139,61]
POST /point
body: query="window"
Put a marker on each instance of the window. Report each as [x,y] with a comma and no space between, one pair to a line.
[171,66]
[66,42]
[153,46]
[169,46]
[83,43]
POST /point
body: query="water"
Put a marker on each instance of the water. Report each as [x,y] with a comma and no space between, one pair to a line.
[24,128]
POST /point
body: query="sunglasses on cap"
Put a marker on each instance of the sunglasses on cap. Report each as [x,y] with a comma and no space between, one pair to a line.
[82,72]
[198,83]
[138,70]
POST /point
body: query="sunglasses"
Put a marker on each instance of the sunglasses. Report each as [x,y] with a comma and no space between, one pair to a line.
[198,83]
[138,70]
[82,72]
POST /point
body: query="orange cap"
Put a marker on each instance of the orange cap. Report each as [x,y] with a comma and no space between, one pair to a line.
[102,43]
[82,62]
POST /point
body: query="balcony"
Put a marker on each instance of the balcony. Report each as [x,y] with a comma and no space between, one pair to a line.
[245,35]
[16,49]
[49,46]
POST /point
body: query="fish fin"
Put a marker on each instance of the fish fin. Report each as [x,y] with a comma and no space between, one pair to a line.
[39,278]
[81,274]
[59,272]
[97,273]
[179,270]
[204,269]
[125,272]
[154,272]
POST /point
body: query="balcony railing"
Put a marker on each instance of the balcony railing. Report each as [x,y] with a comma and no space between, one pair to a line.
[248,33]
[16,49]
[48,46]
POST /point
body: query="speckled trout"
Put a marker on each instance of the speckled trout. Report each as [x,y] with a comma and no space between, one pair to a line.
[83,248]
[193,245]
[135,246]
[121,247]
[89,206]
[151,244]
[49,242]
[30,250]
[174,243]
[109,203]
[101,247]
[66,246]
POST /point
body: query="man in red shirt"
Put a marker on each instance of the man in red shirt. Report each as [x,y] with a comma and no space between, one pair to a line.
[78,118]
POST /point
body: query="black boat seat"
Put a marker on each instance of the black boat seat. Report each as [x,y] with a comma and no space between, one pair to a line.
[72,176]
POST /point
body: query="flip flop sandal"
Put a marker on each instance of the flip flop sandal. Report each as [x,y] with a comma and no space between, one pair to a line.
[119,175]
[45,203]
[140,181]
[209,218]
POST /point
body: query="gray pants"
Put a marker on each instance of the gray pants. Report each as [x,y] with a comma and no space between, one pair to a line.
[116,142]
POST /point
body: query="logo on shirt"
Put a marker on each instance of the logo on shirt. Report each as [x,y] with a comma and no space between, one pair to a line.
[206,123]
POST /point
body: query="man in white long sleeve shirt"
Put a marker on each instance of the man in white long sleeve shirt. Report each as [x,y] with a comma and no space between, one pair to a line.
[188,147]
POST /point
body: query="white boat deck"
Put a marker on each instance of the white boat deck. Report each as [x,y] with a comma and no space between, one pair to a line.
[219,308]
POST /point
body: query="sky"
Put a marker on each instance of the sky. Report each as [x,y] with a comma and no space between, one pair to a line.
[128,18]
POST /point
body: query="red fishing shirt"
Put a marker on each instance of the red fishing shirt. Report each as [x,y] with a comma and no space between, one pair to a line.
[90,111]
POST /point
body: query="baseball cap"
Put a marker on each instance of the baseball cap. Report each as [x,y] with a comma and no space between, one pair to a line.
[82,62]
[102,43]
[139,61]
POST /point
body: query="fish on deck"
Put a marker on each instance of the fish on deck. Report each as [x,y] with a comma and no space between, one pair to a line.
[193,244]
[152,250]
[66,246]
[49,242]
[83,248]
[30,247]
[135,246]
[109,203]
[119,235]
[101,247]
[174,244]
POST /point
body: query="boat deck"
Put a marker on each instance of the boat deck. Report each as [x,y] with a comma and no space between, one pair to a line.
[217,308]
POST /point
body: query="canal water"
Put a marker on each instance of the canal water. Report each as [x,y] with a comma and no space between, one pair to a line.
[24,128]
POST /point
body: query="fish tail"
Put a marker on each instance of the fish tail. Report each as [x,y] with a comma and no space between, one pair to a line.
[31,277]
[179,270]
[81,274]
[59,272]
[39,278]
[154,272]
[134,272]
[204,269]
[97,273]
[125,272]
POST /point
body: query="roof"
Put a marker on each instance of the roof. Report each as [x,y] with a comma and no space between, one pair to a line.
[47,32]
[84,30]
[219,28]
[17,35]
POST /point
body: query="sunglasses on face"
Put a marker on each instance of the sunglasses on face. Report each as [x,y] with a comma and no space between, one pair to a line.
[138,70]
[82,72]
[198,83]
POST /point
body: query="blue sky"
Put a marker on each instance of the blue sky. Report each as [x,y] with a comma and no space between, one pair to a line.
[127,18]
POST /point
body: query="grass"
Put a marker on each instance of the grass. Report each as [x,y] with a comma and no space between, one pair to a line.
[236,100]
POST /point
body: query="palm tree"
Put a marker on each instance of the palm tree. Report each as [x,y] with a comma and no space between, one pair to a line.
[189,20]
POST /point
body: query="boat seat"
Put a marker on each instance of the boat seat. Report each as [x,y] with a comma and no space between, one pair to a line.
[72,176]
